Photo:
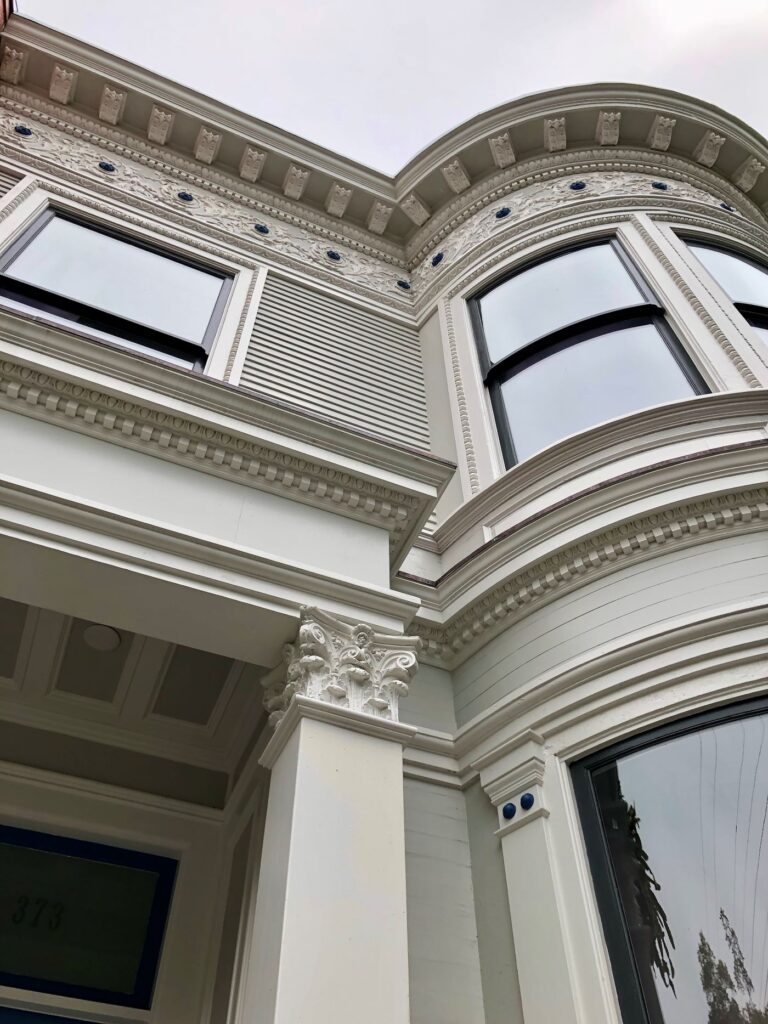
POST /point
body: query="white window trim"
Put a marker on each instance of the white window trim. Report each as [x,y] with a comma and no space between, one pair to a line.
[30,198]
[479,452]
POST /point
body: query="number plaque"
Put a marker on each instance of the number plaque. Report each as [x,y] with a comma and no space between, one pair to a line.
[81,919]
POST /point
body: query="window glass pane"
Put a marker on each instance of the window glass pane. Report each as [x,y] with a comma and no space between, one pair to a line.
[554,294]
[685,827]
[187,362]
[111,275]
[590,382]
[744,282]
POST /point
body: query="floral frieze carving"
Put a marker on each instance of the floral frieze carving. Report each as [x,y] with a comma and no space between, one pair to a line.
[345,666]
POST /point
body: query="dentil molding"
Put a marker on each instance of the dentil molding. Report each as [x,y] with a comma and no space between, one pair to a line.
[449,645]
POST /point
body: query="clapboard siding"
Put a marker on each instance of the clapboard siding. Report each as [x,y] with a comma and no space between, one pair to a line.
[7,180]
[442,935]
[338,360]
[640,598]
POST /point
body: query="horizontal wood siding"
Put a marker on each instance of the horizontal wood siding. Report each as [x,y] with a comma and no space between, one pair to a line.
[442,935]
[644,597]
[338,360]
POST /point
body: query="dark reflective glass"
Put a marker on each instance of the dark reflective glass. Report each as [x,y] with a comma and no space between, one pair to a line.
[743,281]
[553,294]
[685,827]
[589,382]
[110,274]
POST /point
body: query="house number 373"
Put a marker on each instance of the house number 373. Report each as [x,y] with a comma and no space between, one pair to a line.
[36,912]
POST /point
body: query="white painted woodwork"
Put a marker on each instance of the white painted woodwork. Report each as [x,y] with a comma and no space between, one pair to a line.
[8,179]
[126,481]
[498,965]
[627,605]
[330,935]
[442,934]
[338,360]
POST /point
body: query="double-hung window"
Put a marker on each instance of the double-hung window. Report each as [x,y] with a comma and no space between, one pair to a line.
[115,288]
[572,341]
[744,280]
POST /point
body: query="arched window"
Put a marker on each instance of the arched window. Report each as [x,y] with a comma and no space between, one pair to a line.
[744,280]
[572,341]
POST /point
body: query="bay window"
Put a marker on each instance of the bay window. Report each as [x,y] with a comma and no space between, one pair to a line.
[571,341]
[744,280]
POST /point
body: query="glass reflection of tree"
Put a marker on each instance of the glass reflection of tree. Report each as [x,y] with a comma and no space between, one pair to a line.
[721,987]
[647,920]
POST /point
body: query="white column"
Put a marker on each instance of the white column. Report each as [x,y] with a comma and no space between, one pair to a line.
[514,783]
[329,940]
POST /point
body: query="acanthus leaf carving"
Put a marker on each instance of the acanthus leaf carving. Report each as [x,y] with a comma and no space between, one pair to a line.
[352,667]
[660,135]
[747,173]
[456,176]
[554,134]
[112,105]
[415,209]
[708,148]
[337,200]
[295,181]
[13,65]
[160,125]
[501,150]
[207,145]
[608,127]
[378,217]
[63,84]
[251,163]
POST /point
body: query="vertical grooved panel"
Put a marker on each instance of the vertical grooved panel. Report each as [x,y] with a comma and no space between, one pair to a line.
[338,360]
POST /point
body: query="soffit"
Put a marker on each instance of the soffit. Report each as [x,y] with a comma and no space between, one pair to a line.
[74,690]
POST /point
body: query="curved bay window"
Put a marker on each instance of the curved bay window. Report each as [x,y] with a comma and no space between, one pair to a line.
[744,280]
[572,341]
[675,825]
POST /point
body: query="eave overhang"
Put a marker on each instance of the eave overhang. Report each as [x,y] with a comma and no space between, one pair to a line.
[341,197]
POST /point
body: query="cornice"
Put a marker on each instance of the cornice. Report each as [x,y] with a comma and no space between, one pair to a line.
[197,422]
[575,162]
[24,32]
[342,196]
[67,152]
[574,564]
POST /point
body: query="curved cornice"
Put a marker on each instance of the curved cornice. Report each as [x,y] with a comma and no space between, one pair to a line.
[405,209]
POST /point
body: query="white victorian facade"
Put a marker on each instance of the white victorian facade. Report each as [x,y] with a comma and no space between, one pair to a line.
[383,561]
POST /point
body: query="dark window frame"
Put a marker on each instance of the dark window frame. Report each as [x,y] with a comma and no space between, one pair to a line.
[632,1002]
[647,311]
[756,316]
[91,317]
[166,869]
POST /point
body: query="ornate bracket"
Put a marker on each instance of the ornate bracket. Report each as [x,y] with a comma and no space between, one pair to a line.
[346,666]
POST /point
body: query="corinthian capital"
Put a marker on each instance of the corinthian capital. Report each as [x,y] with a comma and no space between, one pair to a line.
[346,666]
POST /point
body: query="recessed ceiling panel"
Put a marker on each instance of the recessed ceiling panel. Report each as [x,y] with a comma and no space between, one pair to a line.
[192,685]
[13,615]
[93,660]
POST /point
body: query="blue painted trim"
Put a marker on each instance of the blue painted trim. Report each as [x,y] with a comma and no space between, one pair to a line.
[165,870]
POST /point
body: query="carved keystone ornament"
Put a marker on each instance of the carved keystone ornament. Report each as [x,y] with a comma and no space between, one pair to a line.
[346,666]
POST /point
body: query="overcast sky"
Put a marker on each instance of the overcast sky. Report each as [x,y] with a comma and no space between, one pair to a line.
[378,81]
